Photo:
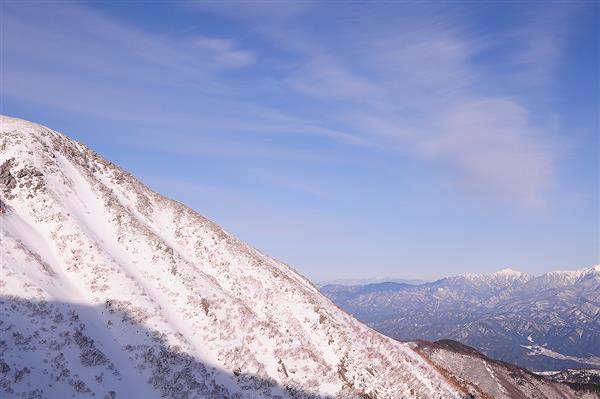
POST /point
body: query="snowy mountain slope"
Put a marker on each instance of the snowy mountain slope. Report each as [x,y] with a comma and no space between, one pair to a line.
[110,290]
[495,379]
[107,286]
[547,322]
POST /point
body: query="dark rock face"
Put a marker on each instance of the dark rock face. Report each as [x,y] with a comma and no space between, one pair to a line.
[549,322]
[7,180]
[28,177]
[579,378]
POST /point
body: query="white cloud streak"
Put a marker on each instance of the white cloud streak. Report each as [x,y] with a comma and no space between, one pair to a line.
[413,87]
[421,91]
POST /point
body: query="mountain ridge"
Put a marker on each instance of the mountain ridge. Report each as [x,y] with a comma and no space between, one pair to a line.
[544,322]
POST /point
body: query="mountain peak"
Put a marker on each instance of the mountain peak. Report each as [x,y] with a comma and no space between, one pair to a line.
[508,272]
[569,276]
[22,126]
[503,274]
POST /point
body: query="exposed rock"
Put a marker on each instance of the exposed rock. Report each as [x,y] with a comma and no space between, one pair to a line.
[7,180]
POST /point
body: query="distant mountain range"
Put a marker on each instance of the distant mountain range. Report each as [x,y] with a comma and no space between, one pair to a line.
[372,280]
[548,322]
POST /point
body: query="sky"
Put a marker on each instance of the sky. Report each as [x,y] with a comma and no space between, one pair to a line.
[347,139]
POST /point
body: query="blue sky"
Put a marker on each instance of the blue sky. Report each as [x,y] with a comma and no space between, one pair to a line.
[348,139]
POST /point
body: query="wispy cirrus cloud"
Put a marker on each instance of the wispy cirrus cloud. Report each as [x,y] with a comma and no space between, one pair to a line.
[224,52]
[421,85]
[76,59]
[41,37]
[253,10]
[425,92]
[496,147]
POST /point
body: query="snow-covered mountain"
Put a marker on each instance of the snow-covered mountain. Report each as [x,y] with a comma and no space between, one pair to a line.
[113,291]
[548,322]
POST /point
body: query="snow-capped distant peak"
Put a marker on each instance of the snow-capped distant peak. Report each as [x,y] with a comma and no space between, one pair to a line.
[508,272]
[571,275]
[503,275]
